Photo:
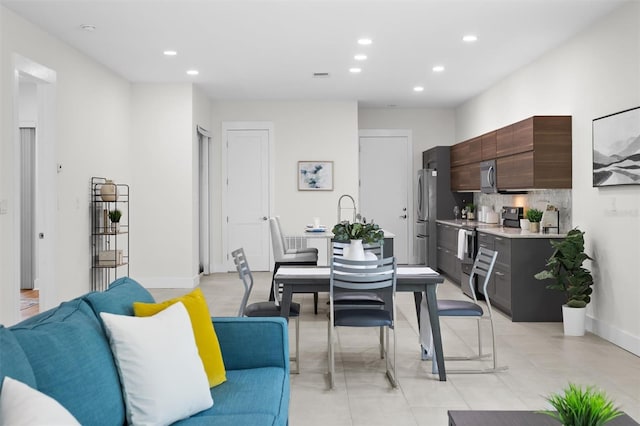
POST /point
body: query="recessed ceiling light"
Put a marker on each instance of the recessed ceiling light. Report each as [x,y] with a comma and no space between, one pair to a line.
[360,57]
[418,89]
[438,68]
[88,27]
[355,70]
[365,41]
[193,72]
[170,53]
[470,38]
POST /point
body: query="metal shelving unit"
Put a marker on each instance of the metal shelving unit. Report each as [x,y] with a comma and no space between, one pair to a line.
[109,243]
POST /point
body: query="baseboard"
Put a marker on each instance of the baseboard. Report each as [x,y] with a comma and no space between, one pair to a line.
[614,335]
[167,282]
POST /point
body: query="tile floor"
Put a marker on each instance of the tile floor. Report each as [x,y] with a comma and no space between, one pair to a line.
[540,360]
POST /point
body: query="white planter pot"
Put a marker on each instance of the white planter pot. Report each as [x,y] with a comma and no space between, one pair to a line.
[354,251]
[573,320]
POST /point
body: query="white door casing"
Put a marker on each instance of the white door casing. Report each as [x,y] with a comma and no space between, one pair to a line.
[246,182]
[386,181]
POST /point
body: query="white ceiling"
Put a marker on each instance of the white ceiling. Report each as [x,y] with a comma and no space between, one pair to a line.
[268,49]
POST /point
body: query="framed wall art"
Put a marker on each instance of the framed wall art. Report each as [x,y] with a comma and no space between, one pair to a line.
[315,175]
[616,149]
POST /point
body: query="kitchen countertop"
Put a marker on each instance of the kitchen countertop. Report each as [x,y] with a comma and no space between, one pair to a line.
[500,231]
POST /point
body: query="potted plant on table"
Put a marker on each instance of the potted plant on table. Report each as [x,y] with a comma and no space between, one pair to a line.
[534,216]
[577,407]
[357,233]
[565,267]
[114,217]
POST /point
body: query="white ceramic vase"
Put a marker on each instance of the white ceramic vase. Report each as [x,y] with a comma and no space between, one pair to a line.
[573,320]
[109,191]
[354,251]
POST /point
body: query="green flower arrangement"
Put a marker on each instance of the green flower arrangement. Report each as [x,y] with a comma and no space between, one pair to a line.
[367,232]
[582,407]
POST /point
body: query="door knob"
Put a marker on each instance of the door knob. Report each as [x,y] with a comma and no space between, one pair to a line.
[403,216]
[264,218]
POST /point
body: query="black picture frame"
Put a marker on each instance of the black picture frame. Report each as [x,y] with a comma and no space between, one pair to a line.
[616,148]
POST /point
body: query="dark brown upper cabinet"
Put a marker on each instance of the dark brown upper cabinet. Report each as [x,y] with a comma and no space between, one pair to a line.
[466,152]
[489,145]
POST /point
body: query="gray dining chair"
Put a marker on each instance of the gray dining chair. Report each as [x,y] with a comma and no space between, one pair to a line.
[263,309]
[482,267]
[283,255]
[378,276]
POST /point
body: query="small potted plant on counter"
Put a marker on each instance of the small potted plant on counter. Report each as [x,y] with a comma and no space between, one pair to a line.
[577,406]
[357,233]
[471,211]
[534,216]
[114,217]
[565,266]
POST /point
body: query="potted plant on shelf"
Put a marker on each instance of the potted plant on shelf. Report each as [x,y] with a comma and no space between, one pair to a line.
[582,407]
[471,208]
[357,233]
[534,216]
[565,266]
[114,217]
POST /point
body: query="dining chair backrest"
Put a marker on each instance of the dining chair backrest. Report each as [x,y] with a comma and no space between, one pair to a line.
[285,246]
[483,267]
[362,275]
[242,266]
[277,240]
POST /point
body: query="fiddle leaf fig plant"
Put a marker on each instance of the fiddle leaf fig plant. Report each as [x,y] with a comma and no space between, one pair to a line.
[565,266]
[581,407]
[367,232]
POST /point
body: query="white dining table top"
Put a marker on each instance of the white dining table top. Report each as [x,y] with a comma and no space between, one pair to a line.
[324,271]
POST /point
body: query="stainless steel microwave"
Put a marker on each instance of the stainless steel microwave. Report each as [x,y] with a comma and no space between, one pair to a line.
[488,181]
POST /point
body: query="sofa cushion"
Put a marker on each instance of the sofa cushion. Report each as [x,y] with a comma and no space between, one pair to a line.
[229,420]
[119,297]
[203,331]
[72,362]
[259,391]
[163,378]
[13,360]
[21,405]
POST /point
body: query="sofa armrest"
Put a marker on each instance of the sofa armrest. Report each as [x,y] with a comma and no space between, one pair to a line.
[253,342]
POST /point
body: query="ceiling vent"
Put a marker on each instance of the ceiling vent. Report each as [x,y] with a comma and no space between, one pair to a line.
[320,75]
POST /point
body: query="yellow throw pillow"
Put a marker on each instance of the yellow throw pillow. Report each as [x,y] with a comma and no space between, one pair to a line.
[203,331]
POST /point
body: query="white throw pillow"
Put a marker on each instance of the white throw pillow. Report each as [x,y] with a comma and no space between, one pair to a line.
[162,375]
[21,405]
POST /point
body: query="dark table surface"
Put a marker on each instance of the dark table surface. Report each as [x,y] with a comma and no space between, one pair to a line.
[516,418]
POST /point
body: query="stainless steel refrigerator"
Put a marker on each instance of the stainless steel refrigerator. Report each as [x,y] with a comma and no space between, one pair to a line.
[435,201]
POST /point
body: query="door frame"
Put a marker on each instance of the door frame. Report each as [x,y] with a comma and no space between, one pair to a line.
[46,181]
[227,261]
[385,133]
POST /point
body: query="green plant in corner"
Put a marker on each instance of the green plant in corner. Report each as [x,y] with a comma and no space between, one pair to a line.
[534,215]
[582,407]
[367,232]
[565,266]
[115,215]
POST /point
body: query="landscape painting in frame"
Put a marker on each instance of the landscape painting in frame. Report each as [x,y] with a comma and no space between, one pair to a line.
[616,149]
[315,175]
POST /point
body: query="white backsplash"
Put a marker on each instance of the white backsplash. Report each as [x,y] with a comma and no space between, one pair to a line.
[561,198]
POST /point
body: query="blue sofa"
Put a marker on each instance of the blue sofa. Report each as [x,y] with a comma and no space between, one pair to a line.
[65,354]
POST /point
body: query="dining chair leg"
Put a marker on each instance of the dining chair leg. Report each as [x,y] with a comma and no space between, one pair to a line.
[479,340]
[381,342]
[297,323]
[331,357]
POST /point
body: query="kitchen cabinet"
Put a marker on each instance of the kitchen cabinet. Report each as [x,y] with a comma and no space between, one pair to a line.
[465,178]
[489,143]
[447,251]
[531,154]
[466,152]
[512,287]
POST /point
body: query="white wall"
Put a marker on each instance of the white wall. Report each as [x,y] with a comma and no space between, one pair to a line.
[430,127]
[163,192]
[92,136]
[28,104]
[592,75]
[324,131]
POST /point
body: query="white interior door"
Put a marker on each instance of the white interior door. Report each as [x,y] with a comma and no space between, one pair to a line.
[247,204]
[385,176]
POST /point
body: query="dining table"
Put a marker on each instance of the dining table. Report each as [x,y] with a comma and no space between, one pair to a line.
[416,279]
